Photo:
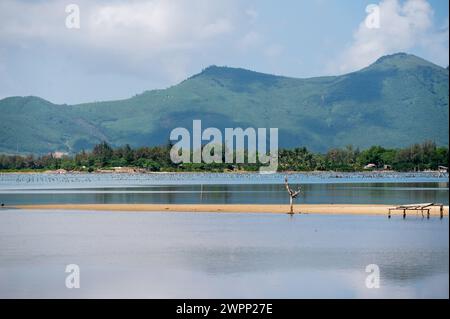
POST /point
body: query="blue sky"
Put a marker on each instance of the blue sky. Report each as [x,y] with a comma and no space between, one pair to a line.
[125,47]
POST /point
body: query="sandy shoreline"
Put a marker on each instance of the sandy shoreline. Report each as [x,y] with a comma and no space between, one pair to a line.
[329,209]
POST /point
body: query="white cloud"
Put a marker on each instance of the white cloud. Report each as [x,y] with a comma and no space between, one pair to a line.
[124,46]
[403,26]
[129,33]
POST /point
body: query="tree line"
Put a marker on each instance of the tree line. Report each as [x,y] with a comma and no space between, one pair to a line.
[417,157]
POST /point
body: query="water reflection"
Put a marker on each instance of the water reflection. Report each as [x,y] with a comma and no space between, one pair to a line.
[215,255]
[358,193]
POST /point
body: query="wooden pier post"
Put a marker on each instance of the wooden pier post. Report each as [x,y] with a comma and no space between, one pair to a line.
[416,207]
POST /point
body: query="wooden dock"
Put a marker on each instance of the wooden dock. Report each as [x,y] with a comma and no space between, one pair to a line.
[425,207]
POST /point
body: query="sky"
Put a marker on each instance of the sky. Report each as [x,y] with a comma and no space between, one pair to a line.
[123,48]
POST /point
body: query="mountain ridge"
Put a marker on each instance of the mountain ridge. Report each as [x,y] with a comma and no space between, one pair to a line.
[213,66]
[380,104]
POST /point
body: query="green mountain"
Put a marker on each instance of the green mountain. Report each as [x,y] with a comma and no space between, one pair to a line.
[399,100]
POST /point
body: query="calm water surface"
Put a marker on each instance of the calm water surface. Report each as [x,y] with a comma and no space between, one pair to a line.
[181,255]
[222,188]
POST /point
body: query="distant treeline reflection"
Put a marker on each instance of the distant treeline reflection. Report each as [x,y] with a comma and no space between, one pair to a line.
[417,157]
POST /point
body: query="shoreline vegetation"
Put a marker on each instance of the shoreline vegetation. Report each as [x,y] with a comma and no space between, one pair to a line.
[323,209]
[105,159]
[137,171]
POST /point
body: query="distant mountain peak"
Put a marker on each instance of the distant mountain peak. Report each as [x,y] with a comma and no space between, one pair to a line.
[215,70]
[399,55]
[401,60]
[235,78]
[22,100]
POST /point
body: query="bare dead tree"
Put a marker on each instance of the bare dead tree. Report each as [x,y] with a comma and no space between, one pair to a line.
[292,194]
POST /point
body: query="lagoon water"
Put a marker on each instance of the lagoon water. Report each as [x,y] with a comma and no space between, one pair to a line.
[206,188]
[183,255]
